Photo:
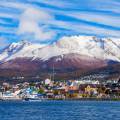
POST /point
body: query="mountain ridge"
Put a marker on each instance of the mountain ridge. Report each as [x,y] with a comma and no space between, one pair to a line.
[89,46]
[69,54]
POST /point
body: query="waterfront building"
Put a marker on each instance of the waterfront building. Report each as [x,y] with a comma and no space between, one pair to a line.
[47,81]
[88,82]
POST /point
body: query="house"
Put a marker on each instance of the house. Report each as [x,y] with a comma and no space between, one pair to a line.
[88,90]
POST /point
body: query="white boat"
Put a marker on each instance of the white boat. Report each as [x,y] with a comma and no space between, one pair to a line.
[32,97]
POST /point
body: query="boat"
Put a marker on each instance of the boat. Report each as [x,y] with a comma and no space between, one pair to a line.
[33,97]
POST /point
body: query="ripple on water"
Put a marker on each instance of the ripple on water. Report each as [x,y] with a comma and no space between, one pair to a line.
[60,110]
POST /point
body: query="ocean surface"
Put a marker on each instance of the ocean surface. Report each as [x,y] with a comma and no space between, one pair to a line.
[60,110]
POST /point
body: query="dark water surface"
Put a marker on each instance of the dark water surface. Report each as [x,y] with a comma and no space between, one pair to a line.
[60,110]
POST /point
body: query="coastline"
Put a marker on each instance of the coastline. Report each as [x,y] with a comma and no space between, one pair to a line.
[67,99]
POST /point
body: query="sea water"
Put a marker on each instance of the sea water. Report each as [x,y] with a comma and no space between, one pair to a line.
[60,110]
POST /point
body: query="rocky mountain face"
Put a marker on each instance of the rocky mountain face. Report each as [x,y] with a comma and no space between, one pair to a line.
[69,54]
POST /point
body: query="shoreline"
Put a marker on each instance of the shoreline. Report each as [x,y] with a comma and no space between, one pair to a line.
[89,99]
[68,99]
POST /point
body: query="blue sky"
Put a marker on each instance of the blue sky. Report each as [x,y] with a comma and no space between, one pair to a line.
[45,21]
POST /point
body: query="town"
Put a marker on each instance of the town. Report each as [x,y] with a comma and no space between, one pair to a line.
[61,90]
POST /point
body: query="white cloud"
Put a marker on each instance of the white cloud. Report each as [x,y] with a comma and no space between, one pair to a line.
[3,42]
[30,22]
[87,29]
[108,5]
[8,29]
[97,18]
[56,3]
[8,15]
[14,4]
[36,19]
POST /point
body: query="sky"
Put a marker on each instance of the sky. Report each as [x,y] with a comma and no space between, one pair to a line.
[45,21]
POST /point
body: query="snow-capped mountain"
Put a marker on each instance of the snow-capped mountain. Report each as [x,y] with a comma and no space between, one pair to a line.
[20,49]
[104,49]
[69,54]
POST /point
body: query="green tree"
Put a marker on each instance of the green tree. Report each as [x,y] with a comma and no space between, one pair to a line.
[40,91]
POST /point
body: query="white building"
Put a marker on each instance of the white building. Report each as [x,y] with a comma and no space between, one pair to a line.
[47,81]
[88,82]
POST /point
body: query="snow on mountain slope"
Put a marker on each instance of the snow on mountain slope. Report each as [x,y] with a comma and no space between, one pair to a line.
[20,49]
[104,49]
[92,46]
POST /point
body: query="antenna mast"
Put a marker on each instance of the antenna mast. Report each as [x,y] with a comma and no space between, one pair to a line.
[53,72]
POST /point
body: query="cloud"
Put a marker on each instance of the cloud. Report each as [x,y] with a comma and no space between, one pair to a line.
[14,5]
[55,3]
[87,29]
[8,15]
[3,42]
[33,21]
[7,29]
[111,20]
[45,20]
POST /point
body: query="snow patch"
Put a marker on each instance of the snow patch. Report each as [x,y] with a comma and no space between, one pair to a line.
[84,45]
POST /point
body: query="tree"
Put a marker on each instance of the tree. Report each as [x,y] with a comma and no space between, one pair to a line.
[40,91]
